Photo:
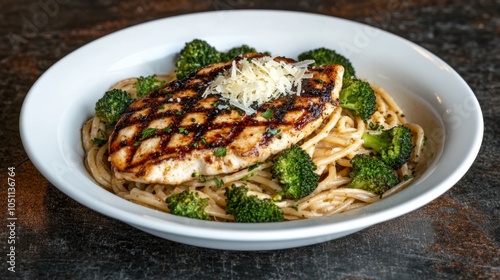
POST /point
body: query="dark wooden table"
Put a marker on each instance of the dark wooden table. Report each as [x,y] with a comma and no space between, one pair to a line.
[456,236]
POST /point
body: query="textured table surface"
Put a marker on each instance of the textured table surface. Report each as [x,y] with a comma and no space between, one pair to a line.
[455,236]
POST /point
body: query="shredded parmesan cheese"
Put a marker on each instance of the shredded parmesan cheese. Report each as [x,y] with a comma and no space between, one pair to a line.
[251,82]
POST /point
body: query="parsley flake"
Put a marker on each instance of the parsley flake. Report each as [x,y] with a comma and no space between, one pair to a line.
[220,152]
[267,114]
[255,165]
[204,141]
[218,182]
[273,131]
[150,131]
[99,141]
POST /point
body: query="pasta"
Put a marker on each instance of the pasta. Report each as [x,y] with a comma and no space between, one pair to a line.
[331,148]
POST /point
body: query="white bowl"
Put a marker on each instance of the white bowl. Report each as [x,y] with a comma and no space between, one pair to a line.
[430,92]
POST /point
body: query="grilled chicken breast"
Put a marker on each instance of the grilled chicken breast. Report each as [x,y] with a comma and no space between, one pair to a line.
[174,132]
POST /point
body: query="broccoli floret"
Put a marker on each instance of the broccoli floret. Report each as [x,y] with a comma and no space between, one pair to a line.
[249,208]
[194,55]
[188,204]
[392,146]
[324,56]
[145,85]
[112,105]
[234,52]
[294,169]
[359,97]
[356,95]
[371,174]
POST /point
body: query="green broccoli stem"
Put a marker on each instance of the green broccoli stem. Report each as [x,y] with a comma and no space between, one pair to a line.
[375,141]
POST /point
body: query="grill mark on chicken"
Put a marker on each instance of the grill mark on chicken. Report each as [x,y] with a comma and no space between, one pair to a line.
[190,128]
